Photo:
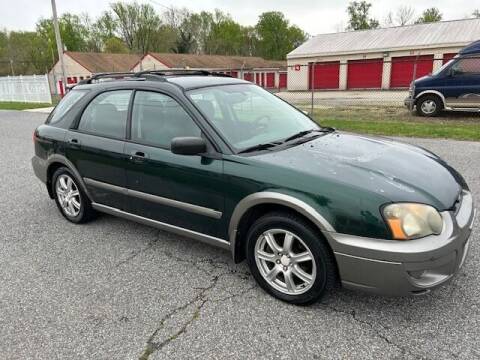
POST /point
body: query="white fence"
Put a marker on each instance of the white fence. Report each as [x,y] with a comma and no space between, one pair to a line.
[31,88]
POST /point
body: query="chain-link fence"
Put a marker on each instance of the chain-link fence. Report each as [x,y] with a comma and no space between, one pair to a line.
[350,83]
[347,87]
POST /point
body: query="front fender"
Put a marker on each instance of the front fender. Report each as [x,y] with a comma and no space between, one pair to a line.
[272,197]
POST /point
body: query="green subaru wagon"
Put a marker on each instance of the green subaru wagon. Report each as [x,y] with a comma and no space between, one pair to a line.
[225,162]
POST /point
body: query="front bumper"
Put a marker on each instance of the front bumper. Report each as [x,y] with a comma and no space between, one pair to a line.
[409,102]
[391,267]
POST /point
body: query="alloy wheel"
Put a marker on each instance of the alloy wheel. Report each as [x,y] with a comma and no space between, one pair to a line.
[68,195]
[285,261]
[429,106]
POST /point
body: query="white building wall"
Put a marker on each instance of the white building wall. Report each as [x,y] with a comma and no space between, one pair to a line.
[72,69]
[297,74]
[342,76]
[149,63]
[386,72]
[298,80]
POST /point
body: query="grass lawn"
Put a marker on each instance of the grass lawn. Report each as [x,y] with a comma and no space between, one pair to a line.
[399,122]
[7,105]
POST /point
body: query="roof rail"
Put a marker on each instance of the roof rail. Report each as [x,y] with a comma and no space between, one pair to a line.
[150,74]
[179,72]
[107,75]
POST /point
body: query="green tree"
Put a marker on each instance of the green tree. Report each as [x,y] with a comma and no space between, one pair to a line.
[249,41]
[429,15]
[137,24]
[476,13]
[4,59]
[359,16]
[276,38]
[164,39]
[184,43]
[28,51]
[226,38]
[72,29]
[115,45]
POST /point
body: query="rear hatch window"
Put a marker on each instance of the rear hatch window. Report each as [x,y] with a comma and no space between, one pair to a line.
[65,105]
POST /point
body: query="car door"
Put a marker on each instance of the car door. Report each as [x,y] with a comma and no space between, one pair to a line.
[462,84]
[96,146]
[180,190]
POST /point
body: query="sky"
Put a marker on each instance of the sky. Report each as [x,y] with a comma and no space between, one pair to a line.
[314,17]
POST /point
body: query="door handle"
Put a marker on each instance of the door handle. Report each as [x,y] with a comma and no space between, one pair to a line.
[74,142]
[138,156]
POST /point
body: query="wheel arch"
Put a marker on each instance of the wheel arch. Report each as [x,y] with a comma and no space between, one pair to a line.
[57,161]
[257,204]
[431,92]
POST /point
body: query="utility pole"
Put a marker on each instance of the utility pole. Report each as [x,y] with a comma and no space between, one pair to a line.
[59,44]
[11,67]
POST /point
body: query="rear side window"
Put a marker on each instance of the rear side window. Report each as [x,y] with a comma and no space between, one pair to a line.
[66,104]
[467,66]
[106,115]
[157,119]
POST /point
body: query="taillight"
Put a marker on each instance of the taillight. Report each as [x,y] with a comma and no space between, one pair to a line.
[34,136]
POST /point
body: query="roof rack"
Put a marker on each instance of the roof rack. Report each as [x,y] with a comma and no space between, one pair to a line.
[158,75]
[179,72]
[108,75]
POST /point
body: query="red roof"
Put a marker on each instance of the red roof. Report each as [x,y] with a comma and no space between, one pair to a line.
[104,62]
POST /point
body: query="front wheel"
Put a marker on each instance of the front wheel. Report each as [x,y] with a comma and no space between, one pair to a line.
[289,258]
[429,105]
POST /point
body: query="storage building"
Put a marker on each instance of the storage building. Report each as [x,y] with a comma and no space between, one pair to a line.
[387,58]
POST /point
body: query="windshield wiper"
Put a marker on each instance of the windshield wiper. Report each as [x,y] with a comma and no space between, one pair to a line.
[300,134]
[306,132]
[259,147]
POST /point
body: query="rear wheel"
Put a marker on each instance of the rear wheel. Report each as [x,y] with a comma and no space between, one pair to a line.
[289,259]
[69,197]
[429,105]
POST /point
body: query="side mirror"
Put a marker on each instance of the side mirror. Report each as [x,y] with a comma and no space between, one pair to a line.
[188,145]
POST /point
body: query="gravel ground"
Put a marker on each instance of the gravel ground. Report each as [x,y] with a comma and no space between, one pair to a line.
[113,289]
[346,98]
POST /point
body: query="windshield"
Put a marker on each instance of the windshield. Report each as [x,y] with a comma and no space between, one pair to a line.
[443,67]
[246,115]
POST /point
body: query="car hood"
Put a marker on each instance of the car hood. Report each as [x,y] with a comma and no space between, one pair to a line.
[424,80]
[397,171]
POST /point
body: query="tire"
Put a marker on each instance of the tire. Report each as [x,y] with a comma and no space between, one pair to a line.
[305,240]
[73,203]
[429,106]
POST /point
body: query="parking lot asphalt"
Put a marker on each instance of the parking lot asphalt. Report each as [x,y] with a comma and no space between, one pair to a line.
[114,289]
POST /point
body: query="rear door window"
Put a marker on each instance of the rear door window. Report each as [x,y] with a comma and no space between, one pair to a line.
[66,104]
[106,115]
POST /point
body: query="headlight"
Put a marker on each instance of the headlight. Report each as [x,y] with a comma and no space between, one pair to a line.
[411,221]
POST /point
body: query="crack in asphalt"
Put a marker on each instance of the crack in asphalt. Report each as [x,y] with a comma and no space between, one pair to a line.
[386,339]
[198,300]
[134,254]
